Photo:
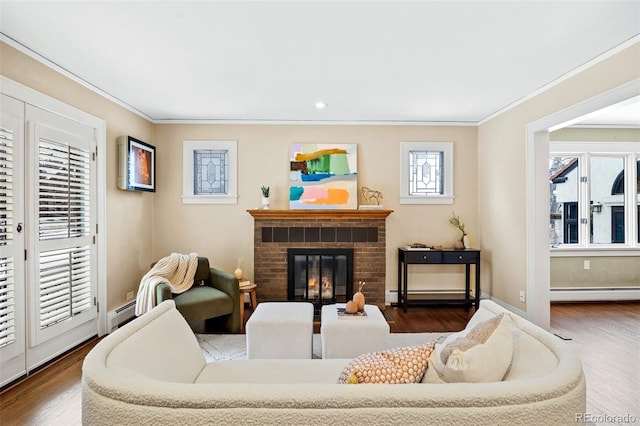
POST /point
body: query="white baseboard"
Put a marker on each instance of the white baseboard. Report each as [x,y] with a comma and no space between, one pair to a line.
[594,294]
[557,295]
[505,305]
[391,296]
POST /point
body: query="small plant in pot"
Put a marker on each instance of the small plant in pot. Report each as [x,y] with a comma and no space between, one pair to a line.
[266,192]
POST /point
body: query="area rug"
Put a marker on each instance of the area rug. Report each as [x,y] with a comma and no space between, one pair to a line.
[222,347]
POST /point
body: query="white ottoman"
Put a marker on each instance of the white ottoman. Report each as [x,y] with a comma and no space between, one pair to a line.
[280,330]
[349,337]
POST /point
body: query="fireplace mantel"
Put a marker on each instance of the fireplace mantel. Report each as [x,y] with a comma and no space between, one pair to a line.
[319,214]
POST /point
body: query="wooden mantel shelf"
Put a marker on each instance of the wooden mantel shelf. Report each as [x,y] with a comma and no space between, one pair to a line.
[319,214]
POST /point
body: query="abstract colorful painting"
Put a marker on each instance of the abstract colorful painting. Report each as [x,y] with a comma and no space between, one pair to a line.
[323,176]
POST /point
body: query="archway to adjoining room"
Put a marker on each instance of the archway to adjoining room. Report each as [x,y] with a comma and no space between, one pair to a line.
[537,194]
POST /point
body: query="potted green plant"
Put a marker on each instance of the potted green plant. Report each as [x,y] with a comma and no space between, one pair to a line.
[266,192]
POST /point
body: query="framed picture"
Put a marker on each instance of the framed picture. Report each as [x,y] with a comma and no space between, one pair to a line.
[323,176]
[136,165]
[209,172]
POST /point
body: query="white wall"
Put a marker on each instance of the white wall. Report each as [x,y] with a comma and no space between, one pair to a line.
[224,233]
[502,168]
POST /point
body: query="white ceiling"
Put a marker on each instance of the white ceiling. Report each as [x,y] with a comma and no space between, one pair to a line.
[624,114]
[370,61]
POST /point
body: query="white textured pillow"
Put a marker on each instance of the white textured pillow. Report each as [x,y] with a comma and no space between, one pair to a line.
[483,354]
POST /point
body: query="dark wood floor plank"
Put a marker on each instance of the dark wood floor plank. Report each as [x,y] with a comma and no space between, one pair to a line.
[50,396]
[423,319]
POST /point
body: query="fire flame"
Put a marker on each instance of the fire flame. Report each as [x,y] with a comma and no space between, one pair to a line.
[327,288]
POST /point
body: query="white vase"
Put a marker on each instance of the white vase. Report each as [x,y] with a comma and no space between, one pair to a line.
[465,241]
[266,203]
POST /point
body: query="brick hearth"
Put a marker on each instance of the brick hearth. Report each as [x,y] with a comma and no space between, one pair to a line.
[277,230]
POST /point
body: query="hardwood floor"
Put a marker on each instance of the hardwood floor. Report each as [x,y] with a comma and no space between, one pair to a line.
[605,335]
[427,319]
[50,396]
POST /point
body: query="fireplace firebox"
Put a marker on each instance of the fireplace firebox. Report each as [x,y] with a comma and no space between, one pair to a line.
[320,276]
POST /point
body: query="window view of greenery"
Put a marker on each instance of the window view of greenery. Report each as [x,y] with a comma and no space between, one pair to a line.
[587,200]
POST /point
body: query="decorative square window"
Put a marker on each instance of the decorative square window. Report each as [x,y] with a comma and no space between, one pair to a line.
[427,173]
[209,172]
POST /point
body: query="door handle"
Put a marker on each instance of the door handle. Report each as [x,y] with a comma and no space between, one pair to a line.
[19,227]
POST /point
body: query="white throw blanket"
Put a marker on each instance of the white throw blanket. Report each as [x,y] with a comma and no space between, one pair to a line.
[176,270]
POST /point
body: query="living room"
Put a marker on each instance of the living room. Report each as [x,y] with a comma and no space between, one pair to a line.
[493,192]
[157,224]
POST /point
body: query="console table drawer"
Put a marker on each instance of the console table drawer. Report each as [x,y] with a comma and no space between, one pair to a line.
[460,257]
[423,257]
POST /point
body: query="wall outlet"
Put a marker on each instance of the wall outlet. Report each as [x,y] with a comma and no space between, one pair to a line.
[130,295]
[587,264]
[522,296]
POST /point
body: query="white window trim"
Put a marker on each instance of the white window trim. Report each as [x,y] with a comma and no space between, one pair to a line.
[188,197]
[447,149]
[630,151]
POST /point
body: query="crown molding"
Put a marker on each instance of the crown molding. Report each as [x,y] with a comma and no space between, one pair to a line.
[73,77]
[606,55]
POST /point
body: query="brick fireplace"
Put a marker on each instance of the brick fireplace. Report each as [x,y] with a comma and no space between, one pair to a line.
[275,231]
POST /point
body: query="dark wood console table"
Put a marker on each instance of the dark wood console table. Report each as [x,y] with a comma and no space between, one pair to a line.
[465,257]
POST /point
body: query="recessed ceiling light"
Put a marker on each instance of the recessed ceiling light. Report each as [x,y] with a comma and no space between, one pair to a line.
[321,105]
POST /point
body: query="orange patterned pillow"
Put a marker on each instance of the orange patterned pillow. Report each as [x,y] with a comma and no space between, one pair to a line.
[396,366]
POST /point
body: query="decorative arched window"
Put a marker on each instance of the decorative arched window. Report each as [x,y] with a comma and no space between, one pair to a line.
[617,213]
[618,183]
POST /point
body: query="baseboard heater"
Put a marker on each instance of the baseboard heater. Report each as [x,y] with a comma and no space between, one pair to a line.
[121,315]
[594,294]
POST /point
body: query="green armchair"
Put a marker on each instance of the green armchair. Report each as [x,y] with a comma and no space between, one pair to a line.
[214,294]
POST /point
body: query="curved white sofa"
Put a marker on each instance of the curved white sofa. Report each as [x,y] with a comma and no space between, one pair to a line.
[152,371]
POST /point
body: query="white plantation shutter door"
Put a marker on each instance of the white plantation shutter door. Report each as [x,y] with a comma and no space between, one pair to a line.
[66,173]
[64,207]
[7,282]
[12,303]
[49,250]
[7,302]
